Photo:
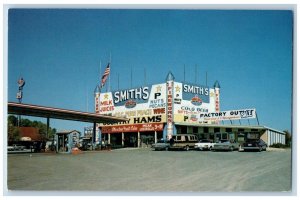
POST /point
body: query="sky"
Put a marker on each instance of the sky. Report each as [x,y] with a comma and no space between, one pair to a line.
[62,53]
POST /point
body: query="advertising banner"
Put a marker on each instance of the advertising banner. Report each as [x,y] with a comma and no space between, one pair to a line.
[228,115]
[133,128]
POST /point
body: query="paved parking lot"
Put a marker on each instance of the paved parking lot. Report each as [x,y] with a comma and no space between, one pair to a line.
[144,170]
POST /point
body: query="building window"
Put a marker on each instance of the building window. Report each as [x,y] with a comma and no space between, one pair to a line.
[195,129]
[228,130]
[254,130]
[216,130]
[183,129]
[205,129]
[241,130]
[224,136]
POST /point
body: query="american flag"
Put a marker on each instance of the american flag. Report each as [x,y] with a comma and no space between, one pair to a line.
[105,75]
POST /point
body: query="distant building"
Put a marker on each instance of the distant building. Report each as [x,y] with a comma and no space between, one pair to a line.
[30,134]
[66,140]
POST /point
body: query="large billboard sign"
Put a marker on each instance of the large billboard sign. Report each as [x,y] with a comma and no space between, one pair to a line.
[192,100]
[228,115]
[141,105]
[160,103]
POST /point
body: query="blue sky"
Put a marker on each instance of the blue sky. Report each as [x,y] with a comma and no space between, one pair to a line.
[58,52]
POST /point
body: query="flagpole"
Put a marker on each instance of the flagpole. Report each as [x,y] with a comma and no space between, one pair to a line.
[184,73]
[145,74]
[100,75]
[206,79]
[118,81]
[196,73]
[110,72]
[131,77]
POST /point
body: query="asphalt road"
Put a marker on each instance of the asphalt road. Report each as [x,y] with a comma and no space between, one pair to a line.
[143,170]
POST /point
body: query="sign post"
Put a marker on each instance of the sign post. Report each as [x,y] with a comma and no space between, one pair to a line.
[21,83]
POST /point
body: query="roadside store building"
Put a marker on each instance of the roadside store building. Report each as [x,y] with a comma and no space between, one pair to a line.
[162,110]
[66,140]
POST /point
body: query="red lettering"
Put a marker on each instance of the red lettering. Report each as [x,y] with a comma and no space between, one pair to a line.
[159,111]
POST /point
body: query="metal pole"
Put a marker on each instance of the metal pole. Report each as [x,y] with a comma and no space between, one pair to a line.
[195,73]
[131,78]
[47,130]
[118,81]
[183,73]
[145,76]
[257,118]
[94,134]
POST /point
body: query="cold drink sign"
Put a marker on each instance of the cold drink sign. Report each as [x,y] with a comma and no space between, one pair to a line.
[228,115]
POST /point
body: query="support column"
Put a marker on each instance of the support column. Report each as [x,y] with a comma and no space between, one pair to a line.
[57,143]
[139,139]
[70,142]
[47,129]
[108,138]
[122,139]
[155,137]
[94,133]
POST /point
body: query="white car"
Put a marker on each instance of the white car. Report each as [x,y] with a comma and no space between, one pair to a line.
[16,147]
[10,148]
[204,144]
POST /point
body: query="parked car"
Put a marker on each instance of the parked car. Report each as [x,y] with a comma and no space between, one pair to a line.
[10,148]
[16,147]
[161,145]
[204,145]
[255,144]
[226,145]
[183,141]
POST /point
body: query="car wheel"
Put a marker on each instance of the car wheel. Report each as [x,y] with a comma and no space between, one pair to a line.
[187,147]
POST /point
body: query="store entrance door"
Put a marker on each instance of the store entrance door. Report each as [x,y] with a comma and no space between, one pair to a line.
[130,139]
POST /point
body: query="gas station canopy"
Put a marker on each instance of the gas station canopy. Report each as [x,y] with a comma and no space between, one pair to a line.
[57,113]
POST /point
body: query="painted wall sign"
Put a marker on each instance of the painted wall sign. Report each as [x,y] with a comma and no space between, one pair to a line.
[159,103]
[132,128]
[138,94]
[139,120]
[195,93]
[228,115]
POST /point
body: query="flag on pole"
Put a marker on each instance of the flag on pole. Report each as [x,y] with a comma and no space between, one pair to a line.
[105,75]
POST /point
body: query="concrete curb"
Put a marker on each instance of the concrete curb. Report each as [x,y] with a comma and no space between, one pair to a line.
[275,149]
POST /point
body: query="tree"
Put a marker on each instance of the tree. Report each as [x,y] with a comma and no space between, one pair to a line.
[26,123]
[13,120]
[288,138]
[13,131]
